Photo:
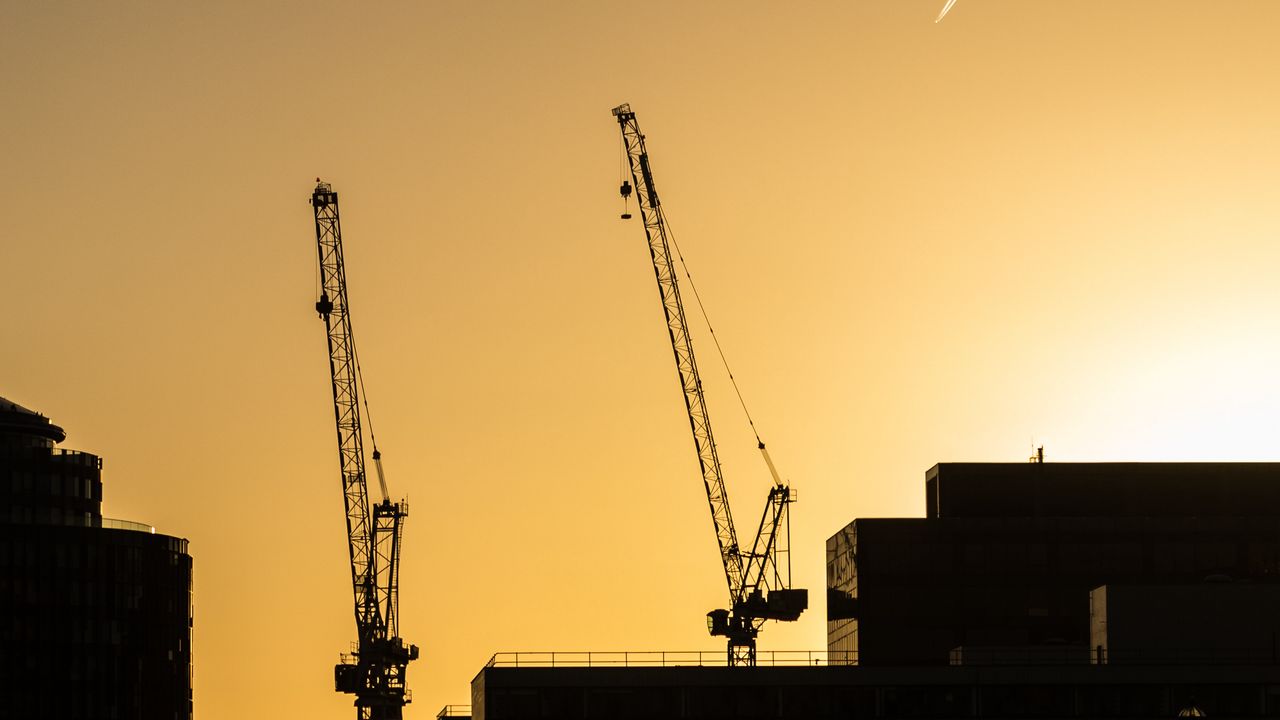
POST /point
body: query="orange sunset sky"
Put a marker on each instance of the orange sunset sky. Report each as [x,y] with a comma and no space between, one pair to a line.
[1048,220]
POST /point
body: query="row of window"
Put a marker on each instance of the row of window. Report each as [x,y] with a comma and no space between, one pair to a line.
[90,549]
[22,482]
[61,593]
[22,445]
[97,683]
[155,636]
[44,515]
[1203,556]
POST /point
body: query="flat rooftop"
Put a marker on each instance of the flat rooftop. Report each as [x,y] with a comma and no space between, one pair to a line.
[1210,489]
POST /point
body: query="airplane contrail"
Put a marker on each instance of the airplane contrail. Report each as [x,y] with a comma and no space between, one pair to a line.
[945,9]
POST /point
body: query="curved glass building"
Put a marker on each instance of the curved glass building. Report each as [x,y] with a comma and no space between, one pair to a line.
[95,614]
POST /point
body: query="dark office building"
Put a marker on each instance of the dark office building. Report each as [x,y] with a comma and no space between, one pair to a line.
[505,691]
[1040,590]
[95,614]
[1005,561]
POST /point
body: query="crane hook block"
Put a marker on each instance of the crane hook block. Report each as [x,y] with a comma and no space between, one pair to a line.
[625,191]
[324,305]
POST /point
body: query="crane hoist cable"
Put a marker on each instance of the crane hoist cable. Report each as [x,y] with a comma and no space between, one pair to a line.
[706,318]
[764,451]
[624,187]
[373,438]
[702,309]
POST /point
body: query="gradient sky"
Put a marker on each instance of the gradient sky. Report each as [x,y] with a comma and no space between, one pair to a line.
[919,243]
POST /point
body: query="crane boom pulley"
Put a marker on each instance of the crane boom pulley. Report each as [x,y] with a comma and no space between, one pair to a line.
[758,585]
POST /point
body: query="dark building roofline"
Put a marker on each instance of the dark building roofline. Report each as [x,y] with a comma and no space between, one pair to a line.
[1108,489]
[18,420]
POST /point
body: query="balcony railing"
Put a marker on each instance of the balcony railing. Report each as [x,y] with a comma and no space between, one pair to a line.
[116,524]
[75,456]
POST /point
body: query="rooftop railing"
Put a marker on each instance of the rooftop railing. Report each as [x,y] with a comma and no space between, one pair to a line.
[454,711]
[668,658]
[961,657]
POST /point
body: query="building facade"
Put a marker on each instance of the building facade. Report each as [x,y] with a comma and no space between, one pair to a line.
[1006,559]
[1109,590]
[95,614]
[1007,692]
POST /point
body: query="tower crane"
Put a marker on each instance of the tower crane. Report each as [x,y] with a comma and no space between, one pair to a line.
[375,669]
[758,583]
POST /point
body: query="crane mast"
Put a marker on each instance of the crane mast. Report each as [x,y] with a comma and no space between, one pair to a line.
[758,584]
[375,670]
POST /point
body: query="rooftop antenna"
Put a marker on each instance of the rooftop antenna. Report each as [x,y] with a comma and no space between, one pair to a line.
[945,9]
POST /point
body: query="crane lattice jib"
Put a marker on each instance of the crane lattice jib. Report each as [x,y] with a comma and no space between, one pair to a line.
[388,526]
[375,671]
[343,369]
[761,571]
[655,229]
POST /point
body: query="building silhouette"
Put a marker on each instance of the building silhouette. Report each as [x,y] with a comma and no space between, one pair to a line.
[1042,590]
[95,614]
[1008,555]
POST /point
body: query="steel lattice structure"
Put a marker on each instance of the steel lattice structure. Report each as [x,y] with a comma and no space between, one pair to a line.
[751,574]
[375,671]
